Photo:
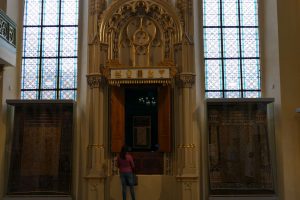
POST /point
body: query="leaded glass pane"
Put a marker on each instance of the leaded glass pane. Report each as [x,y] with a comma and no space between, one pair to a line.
[232,95]
[250,42]
[33,10]
[251,74]
[31,42]
[30,76]
[230,13]
[68,73]
[29,94]
[212,42]
[234,39]
[214,94]
[213,74]
[54,52]
[231,43]
[51,12]
[69,37]
[48,94]
[249,15]
[211,10]
[69,12]
[50,41]
[49,73]
[67,94]
[252,94]
[232,75]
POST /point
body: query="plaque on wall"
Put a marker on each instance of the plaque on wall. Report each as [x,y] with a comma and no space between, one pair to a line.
[41,148]
[240,141]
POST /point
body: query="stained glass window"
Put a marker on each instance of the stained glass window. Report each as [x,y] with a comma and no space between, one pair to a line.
[231,48]
[49,56]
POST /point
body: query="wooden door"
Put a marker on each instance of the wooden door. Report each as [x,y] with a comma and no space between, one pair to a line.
[117,118]
[164,118]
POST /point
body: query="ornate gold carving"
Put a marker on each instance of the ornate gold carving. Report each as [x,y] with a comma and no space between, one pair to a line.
[145,24]
[139,81]
[173,71]
[161,72]
[95,80]
[103,47]
[97,6]
[94,39]
[105,71]
[140,73]
[186,80]
[150,74]
[187,179]
[167,63]
[159,11]
[129,73]
[144,75]
[185,8]
[140,32]
[113,63]
[118,74]
[187,185]
[187,40]
[186,146]
[97,146]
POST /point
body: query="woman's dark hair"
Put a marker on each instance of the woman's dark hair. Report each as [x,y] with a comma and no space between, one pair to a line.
[123,152]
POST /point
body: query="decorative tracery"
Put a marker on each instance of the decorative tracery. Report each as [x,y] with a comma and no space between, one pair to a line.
[119,16]
[140,34]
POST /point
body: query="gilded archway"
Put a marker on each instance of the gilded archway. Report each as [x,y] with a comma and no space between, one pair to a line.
[140,33]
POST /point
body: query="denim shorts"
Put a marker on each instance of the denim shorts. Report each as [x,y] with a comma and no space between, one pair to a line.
[127,178]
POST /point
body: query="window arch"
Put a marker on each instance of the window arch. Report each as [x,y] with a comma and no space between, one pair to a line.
[49,54]
[231,49]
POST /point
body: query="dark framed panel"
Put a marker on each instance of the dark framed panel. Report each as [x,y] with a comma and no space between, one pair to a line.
[41,150]
[148,162]
[142,132]
[130,102]
[240,147]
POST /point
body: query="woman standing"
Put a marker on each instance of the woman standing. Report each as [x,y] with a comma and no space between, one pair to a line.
[126,167]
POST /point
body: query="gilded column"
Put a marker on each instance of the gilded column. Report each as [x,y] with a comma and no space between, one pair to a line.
[187,174]
[96,168]
[187,171]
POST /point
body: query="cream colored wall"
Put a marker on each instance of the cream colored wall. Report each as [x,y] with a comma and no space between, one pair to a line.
[289,54]
[81,133]
[270,68]
[9,90]
[281,72]
[151,187]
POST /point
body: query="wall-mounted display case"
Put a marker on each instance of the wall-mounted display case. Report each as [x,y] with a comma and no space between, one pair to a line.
[240,146]
[41,147]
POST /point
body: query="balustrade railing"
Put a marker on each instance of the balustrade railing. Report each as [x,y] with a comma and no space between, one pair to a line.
[7,29]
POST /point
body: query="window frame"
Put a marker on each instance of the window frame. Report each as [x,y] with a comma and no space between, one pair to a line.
[38,88]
